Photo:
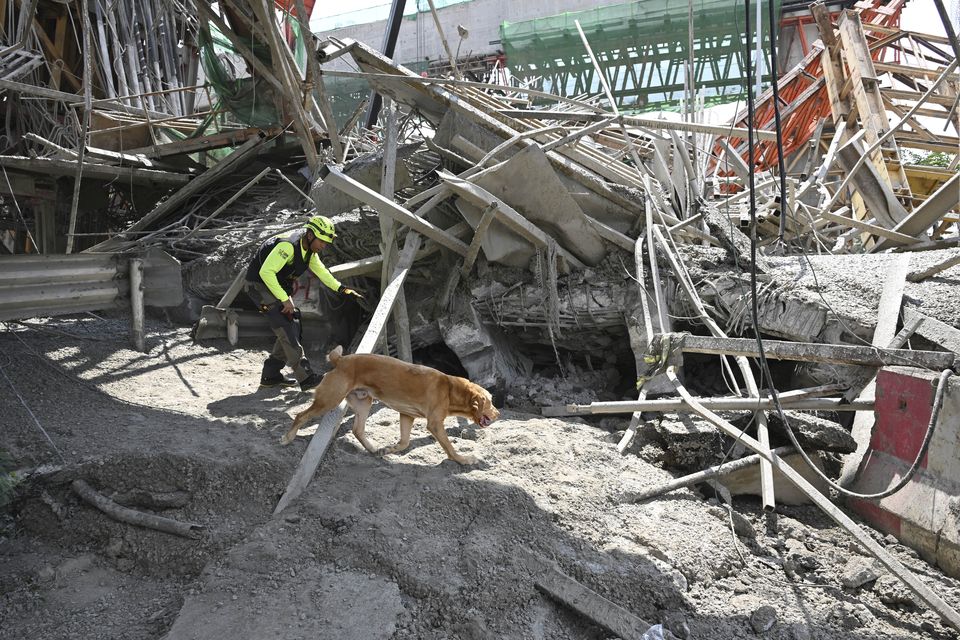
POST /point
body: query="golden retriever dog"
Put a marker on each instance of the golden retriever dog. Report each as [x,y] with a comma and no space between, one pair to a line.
[412,390]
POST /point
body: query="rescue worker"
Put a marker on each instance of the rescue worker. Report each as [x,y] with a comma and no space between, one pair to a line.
[269,282]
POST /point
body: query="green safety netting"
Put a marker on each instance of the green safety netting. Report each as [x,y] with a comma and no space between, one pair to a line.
[248,99]
[642,48]
[346,94]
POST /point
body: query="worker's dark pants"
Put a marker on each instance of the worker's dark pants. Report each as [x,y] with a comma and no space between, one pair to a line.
[287,350]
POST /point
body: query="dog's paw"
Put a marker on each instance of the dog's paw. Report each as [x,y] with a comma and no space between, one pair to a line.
[288,437]
[468,460]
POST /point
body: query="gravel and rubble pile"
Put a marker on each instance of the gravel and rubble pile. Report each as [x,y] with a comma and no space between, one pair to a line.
[408,546]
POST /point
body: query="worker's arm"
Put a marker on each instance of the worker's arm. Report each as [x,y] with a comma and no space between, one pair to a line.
[317,268]
[275,261]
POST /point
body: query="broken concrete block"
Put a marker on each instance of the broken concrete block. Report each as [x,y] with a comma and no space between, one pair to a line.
[548,205]
[858,572]
[814,432]
[487,355]
[499,243]
[747,481]
[689,441]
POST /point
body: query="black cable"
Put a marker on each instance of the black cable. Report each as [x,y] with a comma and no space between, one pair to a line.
[764,364]
[781,165]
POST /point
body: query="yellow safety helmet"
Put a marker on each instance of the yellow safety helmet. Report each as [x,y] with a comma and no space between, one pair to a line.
[322,227]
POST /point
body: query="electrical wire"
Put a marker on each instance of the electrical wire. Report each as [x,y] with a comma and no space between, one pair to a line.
[776,116]
[764,363]
[3,372]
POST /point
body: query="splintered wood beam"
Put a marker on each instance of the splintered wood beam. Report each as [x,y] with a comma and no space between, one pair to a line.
[329,422]
[570,593]
[816,352]
[351,187]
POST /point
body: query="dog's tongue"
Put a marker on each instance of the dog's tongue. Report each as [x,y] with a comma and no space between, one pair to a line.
[484,421]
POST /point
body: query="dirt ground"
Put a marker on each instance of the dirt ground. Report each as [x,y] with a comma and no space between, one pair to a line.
[409,546]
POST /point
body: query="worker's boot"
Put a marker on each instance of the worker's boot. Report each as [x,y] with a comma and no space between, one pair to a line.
[271,376]
[312,379]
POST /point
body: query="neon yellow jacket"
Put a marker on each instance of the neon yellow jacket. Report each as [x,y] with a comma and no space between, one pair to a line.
[281,256]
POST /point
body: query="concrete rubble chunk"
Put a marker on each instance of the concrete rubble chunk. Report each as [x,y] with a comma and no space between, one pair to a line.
[858,572]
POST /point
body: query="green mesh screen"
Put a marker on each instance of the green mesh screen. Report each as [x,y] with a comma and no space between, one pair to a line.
[249,100]
[346,94]
[642,48]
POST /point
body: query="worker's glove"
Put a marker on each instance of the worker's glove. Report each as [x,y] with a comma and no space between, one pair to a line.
[350,292]
[287,308]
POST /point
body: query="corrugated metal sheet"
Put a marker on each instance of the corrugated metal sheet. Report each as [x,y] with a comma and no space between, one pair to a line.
[50,285]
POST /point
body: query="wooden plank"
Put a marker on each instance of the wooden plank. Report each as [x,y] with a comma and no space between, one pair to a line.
[386,207]
[715,471]
[816,352]
[896,238]
[935,331]
[329,422]
[943,265]
[935,602]
[635,121]
[611,235]
[486,218]
[679,405]
[54,167]
[567,591]
[203,143]
[888,312]
[766,473]
[933,208]
[316,79]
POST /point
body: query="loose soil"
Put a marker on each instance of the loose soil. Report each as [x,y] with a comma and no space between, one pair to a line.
[408,546]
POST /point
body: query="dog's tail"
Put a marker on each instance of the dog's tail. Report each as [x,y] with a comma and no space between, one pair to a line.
[335,355]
